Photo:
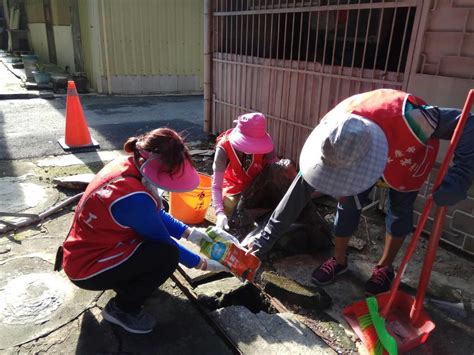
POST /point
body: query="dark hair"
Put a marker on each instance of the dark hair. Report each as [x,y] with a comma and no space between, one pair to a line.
[163,141]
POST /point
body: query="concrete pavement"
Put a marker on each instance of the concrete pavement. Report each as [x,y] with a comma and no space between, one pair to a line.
[41,311]
[50,317]
[30,126]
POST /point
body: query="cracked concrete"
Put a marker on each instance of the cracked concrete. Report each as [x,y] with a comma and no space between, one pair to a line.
[68,319]
[451,281]
[181,328]
[264,333]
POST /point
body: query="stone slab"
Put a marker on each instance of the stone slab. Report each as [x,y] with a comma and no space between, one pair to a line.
[264,333]
[290,291]
[219,288]
[75,182]
[79,158]
[35,300]
[16,168]
[79,336]
[27,272]
[20,195]
[346,290]
[180,328]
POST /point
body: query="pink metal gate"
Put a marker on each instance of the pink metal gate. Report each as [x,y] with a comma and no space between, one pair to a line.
[294,60]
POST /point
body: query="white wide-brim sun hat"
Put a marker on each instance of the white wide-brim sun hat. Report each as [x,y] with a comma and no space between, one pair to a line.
[344,155]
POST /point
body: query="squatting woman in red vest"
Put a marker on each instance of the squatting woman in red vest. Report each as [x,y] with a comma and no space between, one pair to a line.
[241,154]
[122,239]
[386,134]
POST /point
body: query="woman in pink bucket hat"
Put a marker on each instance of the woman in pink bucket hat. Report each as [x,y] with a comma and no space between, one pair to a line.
[121,237]
[241,154]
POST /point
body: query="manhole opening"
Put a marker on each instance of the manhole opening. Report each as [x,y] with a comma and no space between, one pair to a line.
[248,296]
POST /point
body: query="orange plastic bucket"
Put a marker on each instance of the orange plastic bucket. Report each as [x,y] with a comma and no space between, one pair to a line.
[191,207]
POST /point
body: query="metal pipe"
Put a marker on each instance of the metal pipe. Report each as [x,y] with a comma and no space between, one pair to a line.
[207,66]
[106,51]
[389,49]
[310,128]
[42,215]
[289,10]
[430,256]
[403,42]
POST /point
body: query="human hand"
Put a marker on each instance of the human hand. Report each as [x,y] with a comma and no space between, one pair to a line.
[197,235]
[222,221]
[449,192]
[213,266]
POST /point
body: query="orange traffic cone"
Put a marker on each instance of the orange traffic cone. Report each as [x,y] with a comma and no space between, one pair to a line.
[77,135]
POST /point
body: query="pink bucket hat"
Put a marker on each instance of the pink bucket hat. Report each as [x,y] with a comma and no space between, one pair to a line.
[250,134]
[185,180]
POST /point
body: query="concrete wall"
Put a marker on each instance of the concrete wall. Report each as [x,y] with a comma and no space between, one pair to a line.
[61,28]
[39,41]
[443,74]
[459,225]
[147,46]
[92,44]
[37,28]
[64,47]
[61,19]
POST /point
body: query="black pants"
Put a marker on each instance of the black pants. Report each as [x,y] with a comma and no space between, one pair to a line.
[135,279]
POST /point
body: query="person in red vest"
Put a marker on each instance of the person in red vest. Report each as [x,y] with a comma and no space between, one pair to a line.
[386,134]
[122,239]
[241,154]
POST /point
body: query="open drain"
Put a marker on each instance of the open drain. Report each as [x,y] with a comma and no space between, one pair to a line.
[247,295]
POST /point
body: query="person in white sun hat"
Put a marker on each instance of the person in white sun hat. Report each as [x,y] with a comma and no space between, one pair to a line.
[241,155]
[386,134]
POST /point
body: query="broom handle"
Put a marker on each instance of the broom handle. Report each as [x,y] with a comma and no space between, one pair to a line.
[430,256]
[428,204]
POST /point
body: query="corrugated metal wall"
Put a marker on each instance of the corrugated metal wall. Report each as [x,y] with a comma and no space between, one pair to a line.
[147,46]
[147,37]
[91,43]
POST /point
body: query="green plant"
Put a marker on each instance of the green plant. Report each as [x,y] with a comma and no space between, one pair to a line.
[40,68]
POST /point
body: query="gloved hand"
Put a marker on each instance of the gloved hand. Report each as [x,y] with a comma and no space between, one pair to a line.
[222,221]
[198,234]
[213,265]
[449,192]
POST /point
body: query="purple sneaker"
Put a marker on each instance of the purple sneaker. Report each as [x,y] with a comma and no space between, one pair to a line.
[381,280]
[327,272]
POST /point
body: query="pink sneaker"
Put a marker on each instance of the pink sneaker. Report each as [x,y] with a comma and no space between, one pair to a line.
[381,280]
[327,272]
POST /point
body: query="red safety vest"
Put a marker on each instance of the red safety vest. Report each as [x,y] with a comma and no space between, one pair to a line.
[97,242]
[236,179]
[409,160]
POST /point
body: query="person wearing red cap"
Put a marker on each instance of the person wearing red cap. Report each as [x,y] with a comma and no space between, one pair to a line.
[386,134]
[122,239]
[241,154]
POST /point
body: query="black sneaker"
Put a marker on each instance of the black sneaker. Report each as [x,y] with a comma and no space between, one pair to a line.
[138,323]
[380,281]
[327,272]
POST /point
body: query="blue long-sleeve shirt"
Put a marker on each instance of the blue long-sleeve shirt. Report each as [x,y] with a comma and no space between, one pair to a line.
[139,212]
[460,175]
